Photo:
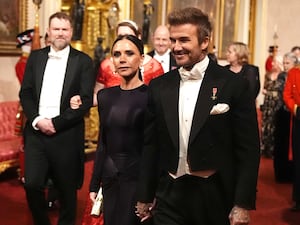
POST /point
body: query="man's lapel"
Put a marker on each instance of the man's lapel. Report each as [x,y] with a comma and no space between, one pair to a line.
[72,65]
[170,96]
[208,96]
[151,53]
[41,62]
[172,64]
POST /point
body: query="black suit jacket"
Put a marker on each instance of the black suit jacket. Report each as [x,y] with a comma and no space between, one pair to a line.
[228,142]
[172,64]
[69,125]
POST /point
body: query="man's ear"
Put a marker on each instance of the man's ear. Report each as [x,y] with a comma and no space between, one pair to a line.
[205,43]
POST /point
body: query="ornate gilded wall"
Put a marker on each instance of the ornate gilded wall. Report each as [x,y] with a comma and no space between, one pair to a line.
[95,23]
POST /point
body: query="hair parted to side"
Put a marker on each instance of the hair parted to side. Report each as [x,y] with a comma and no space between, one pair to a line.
[131,24]
[134,39]
[241,51]
[195,16]
[60,15]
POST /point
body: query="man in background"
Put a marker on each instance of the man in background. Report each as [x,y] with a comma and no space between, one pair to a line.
[162,53]
[296,51]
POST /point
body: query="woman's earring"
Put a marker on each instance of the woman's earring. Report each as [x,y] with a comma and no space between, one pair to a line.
[113,68]
[141,67]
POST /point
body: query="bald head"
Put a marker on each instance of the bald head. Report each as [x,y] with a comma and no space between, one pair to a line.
[161,39]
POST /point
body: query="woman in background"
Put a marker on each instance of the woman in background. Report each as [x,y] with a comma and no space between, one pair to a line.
[291,97]
[282,150]
[272,103]
[237,55]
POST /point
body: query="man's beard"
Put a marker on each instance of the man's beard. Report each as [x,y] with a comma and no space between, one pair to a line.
[60,44]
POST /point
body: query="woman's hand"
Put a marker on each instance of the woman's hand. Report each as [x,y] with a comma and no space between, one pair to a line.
[143,210]
[93,196]
[75,102]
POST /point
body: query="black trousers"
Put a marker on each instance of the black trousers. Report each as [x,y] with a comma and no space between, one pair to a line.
[42,158]
[190,200]
[296,159]
[283,167]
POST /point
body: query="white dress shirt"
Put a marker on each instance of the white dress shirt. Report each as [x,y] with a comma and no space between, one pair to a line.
[188,95]
[51,91]
[163,59]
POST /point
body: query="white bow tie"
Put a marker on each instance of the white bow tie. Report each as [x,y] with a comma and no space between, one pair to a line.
[54,55]
[188,75]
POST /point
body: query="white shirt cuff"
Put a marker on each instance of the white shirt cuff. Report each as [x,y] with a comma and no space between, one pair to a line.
[35,121]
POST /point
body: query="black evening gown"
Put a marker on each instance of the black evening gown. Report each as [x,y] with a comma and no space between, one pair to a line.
[118,154]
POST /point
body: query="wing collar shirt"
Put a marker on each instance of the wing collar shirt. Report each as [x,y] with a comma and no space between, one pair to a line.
[188,94]
[163,59]
[54,74]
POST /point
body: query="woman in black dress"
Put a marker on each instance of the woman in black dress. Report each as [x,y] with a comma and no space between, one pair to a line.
[121,108]
[237,55]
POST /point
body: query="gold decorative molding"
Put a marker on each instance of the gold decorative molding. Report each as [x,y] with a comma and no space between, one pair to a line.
[252,25]
[24,14]
[8,164]
[91,130]
[94,24]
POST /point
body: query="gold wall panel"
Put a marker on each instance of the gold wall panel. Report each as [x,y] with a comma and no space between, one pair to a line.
[94,23]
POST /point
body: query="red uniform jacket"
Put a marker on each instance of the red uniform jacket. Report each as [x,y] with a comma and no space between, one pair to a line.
[108,78]
[291,92]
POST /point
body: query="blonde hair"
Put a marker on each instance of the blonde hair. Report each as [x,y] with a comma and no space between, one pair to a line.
[242,52]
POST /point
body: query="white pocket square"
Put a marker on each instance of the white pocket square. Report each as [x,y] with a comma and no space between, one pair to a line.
[219,109]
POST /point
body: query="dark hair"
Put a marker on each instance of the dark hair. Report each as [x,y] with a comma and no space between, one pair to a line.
[195,16]
[60,15]
[295,48]
[135,40]
[273,48]
[132,25]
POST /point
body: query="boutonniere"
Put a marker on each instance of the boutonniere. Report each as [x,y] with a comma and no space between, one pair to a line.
[214,93]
